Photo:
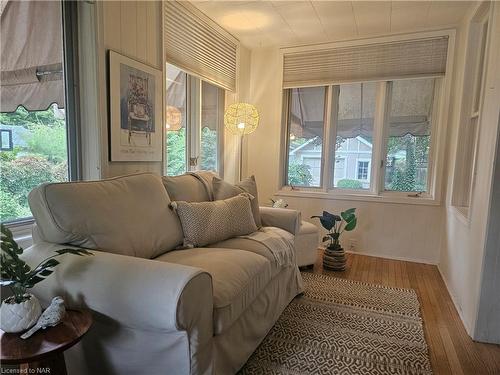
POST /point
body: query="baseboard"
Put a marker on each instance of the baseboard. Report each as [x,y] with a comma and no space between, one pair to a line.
[455,302]
[406,259]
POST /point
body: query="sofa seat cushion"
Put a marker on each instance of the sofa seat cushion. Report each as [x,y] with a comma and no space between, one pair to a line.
[238,277]
[254,247]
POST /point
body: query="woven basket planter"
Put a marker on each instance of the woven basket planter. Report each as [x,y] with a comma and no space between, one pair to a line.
[334,259]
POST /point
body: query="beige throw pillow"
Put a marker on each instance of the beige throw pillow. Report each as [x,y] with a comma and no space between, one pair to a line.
[204,223]
[224,190]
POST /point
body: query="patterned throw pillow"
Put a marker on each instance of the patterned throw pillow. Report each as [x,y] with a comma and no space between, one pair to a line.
[224,190]
[205,223]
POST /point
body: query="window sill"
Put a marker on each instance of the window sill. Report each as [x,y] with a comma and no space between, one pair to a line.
[22,231]
[384,198]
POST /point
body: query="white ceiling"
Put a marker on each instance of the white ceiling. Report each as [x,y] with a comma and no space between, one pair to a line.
[286,23]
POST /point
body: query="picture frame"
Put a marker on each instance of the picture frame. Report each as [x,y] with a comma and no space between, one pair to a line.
[136,110]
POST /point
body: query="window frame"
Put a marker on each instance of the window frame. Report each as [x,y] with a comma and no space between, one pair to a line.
[479,32]
[377,163]
[193,125]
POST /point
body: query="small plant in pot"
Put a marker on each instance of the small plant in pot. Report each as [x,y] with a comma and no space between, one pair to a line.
[334,257]
[22,310]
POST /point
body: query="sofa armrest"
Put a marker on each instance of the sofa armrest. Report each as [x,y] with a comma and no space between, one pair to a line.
[135,292]
[283,218]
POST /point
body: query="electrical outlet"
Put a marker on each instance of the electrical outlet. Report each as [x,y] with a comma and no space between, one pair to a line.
[353,244]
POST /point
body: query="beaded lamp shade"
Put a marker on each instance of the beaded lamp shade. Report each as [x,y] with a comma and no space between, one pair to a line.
[174,118]
[241,118]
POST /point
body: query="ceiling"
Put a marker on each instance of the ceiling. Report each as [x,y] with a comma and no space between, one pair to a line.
[286,23]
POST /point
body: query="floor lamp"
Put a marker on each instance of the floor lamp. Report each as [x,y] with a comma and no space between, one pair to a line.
[241,119]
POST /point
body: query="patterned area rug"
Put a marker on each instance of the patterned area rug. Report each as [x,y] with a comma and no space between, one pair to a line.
[345,327]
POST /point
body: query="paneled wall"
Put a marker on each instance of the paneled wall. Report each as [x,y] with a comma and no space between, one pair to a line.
[134,29]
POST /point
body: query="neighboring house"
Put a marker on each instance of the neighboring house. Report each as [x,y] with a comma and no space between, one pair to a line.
[352,160]
[12,136]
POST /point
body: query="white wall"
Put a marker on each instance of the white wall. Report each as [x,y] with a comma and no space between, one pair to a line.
[400,231]
[462,250]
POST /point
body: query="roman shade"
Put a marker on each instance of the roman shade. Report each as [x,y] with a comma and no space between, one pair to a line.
[410,111]
[374,61]
[31,55]
[197,45]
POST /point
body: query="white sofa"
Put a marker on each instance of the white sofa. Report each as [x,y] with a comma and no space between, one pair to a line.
[157,310]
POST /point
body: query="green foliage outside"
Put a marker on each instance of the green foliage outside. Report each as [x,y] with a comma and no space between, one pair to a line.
[402,176]
[349,184]
[176,152]
[208,149]
[299,174]
[41,158]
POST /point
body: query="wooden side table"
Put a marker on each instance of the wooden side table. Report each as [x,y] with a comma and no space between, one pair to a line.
[45,349]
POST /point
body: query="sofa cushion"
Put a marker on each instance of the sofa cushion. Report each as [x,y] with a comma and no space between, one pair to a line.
[224,190]
[127,215]
[190,187]
[254,247]
[238,277]
[204,223]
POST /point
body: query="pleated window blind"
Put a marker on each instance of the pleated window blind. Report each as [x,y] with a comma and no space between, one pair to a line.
[401,59]
[196,44]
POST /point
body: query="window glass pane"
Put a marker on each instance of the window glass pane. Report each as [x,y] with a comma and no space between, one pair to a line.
[356,110]
[210,110]
[306,124]
[176,122]
[409,133]
[36,153]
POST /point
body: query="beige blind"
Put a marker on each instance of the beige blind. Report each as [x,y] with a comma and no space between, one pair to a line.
[196,44]
[409,58]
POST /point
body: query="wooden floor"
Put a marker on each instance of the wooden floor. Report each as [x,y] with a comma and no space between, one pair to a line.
[452,351]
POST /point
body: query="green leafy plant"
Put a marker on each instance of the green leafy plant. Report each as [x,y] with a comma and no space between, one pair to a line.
[349,184]
[17,274]
[336,225]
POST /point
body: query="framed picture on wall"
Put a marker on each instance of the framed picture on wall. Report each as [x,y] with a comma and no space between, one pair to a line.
[135,91]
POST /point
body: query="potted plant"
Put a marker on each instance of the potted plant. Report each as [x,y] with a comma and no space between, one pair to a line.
[22,310]
[334,257]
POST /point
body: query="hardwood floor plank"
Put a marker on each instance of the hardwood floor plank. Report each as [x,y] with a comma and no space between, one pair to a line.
[451,349]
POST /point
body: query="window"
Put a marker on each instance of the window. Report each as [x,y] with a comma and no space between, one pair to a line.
[354,136]
[463,179]
[176,118]
[387,124]
[306,127]
[194,120]
[211,118]
[409,124]
[38,144]
[363,170]
[6,140]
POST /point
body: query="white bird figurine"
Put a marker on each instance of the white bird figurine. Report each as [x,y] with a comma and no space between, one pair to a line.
[49,318]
